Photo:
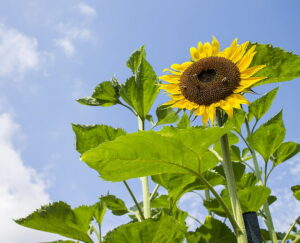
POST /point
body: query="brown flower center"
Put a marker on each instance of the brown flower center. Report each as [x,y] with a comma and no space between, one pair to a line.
[209,80]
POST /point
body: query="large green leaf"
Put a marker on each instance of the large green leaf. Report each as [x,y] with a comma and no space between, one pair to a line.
[166,115]
[59,218]
[105,94]
[267,138]
[285,151]
[253,197]
[135,59]
[281,65]
[140,90]
[116,205]
[212,231]
[139,154]
[260,106]
[164,230]
[178,184]
[296,191]
[90,136]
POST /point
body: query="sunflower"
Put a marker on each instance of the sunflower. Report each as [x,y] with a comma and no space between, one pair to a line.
[213,79]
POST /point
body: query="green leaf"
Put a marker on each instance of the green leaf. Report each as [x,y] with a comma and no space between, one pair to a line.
[184,121]
[238,169]
[107,92]
[252,198]
[116,205]
[260,106]
[266,235]
[99,212]
[232,139]
[166,115]
[267,138]
[247,180]
[140,154]
[213,205]
[135,59]
[140,90]
[160,202]
[59,218]
[296,191]
[280,65]
[179,184]
[238,119]
[212,231]
[90,101]
[271,199]
[90,136]
[285,151]
[164,230]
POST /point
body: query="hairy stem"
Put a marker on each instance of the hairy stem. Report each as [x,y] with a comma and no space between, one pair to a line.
[230,179]
[144,180]
[268,220]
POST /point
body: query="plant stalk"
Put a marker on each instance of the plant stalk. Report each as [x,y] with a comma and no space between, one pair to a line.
[268,220]
[145,182]
[230,179]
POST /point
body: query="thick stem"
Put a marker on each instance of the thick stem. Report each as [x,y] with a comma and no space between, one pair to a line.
[144,180]
[266,209]
[230,179]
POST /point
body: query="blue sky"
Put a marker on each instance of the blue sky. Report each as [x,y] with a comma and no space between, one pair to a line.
[53,52]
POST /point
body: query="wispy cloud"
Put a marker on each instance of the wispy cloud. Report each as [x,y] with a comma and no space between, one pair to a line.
[18,52]
[22,189]
[70,34]
[86,10]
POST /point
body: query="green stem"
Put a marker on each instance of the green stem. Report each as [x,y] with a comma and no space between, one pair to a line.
[289,231]
[144,180]
[100,233]
[128,107]
[268,220]
[232,220]
[134,199]
[154,191]
[230,179]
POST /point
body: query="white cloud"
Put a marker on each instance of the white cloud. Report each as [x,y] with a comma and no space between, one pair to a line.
[67,46]
[17,51]
[86,10]
[21,188]
[71,34]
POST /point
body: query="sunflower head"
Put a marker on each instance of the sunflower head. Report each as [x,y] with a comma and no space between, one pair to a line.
[213,79]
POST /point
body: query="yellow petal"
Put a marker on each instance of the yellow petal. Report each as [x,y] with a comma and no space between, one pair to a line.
[194,53]
[227,108]
[211,113]
[171,88]
[215,46]
[205,116]
[171,71]
[227,53]
[181,104]
[177,97]
[200,110]
[170,102]
[251,71]
[244,63]
[248,82]
[174,79]
[207,49]
[181,67]
[240,51]
[201,50]
[236,99]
